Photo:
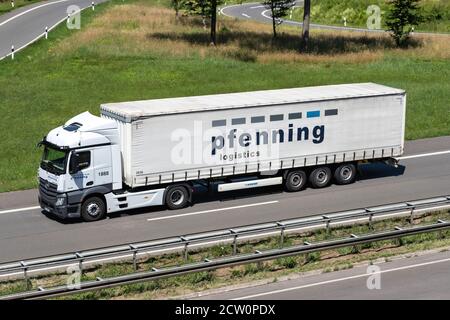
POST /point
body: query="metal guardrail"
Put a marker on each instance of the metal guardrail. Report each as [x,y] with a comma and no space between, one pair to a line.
[207,264]
[184,243]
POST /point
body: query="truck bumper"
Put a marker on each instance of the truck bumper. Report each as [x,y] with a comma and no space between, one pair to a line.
[63,212]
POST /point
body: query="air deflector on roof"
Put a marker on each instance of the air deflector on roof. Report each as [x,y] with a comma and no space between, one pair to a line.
[73,126]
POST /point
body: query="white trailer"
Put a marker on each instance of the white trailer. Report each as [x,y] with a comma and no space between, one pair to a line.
[151,152]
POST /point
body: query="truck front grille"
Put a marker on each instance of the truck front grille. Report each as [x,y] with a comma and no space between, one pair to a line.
[47,191]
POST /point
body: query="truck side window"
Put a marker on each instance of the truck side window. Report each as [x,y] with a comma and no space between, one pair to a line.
[84,160]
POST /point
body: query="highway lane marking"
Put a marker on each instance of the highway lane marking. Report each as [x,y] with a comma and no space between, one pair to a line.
[418,265]
[246,15]
[214,210]
[231,6]
[263,13]
[422,155]
[19,209]
[29,10]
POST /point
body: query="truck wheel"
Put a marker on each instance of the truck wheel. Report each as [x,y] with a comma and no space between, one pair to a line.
[345,173]
[320,177]
[177,197]
[295,180]
[93,209]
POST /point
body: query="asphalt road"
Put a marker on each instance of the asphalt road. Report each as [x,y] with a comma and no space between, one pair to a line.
[399,279]
[24,25]
[28,233]
[258,12]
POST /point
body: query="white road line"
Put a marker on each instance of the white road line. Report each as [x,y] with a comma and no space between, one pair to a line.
[245,15]
[424,155]
[263,13]
[43,34]
[19,209]
[340,279]
[256,7]
[29,10]
[213,210]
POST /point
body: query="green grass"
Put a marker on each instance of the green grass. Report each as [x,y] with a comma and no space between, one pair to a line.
[5,6]
[331,12]
[41,90]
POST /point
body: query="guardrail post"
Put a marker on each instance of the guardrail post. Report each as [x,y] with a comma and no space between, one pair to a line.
[327,225]
[132,247]
[370,221]
[234,233]
[25,275]
[355,248]
[80,262]
[411,216]
[281,233]
[185,251]
[441,232]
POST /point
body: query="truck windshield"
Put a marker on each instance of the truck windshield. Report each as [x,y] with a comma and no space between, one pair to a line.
[54,160]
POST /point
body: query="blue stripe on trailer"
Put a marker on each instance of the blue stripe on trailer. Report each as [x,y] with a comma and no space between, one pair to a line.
[313,114]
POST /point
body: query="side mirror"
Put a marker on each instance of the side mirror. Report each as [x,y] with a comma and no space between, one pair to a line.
[74,163]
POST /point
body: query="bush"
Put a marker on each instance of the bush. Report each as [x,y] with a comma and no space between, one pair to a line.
[289,262]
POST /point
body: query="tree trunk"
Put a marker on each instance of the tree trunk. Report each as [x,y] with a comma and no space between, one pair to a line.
[213,37]
[306,18]
[274,24]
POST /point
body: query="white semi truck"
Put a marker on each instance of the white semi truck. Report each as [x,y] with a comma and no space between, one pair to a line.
[148,153]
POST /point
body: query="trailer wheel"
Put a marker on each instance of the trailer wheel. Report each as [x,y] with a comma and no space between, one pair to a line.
[345,173]
[320,177]
[295,180]
[93,209]
[177,197]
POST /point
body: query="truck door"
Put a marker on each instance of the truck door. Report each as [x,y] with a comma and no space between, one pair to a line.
[83,176]
[102,166]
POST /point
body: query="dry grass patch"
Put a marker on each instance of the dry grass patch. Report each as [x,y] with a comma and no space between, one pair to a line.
[146,30]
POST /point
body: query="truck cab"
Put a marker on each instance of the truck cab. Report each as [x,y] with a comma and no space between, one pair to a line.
[80,160]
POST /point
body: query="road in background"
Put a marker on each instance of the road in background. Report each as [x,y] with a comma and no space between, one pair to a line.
[20,27]
[422,277]
[29,233]
[258,12]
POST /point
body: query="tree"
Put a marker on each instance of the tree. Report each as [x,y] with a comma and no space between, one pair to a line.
[402,16]
[278,9]
[176,5]
[206,9]
[199,7]
[306,20]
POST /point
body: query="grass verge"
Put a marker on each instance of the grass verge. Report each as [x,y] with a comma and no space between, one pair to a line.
[136,50]
[330,260]
[5,5]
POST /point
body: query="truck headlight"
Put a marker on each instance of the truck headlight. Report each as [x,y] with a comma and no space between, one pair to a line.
[60,200]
